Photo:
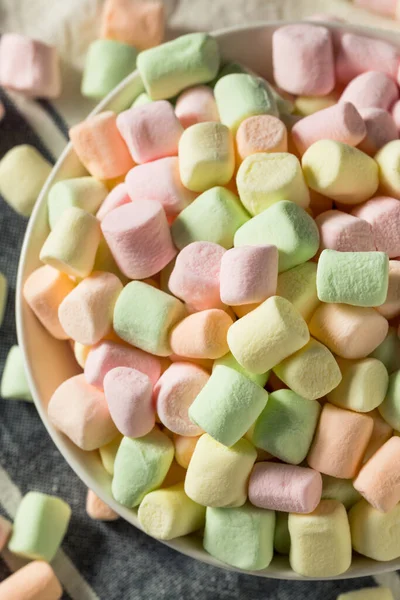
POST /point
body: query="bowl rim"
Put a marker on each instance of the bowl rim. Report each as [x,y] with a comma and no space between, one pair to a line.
[372,567]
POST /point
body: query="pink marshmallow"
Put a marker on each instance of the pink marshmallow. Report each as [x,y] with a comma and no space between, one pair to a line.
[160,180]
[357,54]
[150,131]
[139,238]
[391,308]
[195,276]
[29,66]
[340,122]
[295,48]
[371,90]
[383,7]
[196,105]
[129,397]
[249,274]
[396,114]
[80,411]
[381,129]
[344,233]
[117,197]
[286,488]
[109,355]
[383,214]
[174,392]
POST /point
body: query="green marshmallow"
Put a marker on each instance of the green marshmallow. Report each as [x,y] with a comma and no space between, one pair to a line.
[230,361]
[142,99]
[39,526]
[3,296]
[108,454]
[388,351]
[227,405]
[390,407]
[186,61]
[240,96]
[83,192]
[241,537]
[286,426]
[282,535]
[214,216]
[341,490]
[288,227]
[144,317]
[299,286]
[14,384]
[141,466]
[107,63]
[356,278]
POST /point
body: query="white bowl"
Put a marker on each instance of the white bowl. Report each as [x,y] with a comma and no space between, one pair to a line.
[49,361]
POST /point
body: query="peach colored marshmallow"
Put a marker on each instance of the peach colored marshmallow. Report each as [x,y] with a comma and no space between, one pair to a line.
[202,334]
[371,90]
[139,238]
[35,581]
[379,481]
[383,214]
[381,129]
[391,308]
[196,105]
[343,232]
[139,24]
[5,532]
[44,290]
[99,510]
[340,441]
[184,448]
[117,197]
[381,432]
[107,355]
[129,397]
[174,392]
[262,133]
[80,411]
[151,131]
[396,114]
[358,53]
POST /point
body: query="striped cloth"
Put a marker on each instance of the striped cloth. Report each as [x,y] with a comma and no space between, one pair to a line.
[107,561]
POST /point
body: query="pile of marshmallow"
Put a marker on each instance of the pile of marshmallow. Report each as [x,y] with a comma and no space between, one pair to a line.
[227,276]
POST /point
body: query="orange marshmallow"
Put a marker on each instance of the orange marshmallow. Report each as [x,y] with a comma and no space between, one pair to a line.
[202,334]
[381,432]
[99,510]
[184,448]
[35,581]
[263,133]
[139,24]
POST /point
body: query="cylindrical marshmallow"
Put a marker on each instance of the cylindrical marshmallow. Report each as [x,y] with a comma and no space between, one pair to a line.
[35,581]
[196,105]
[373,533]
[184,448]
[343,232]
[99,510]
[391,307]
[358,53]
[383,214]
[262,133]
[298,285]
[380,130]
[390,407]
[388,160]
[202,334]
[371,90]
[117,197]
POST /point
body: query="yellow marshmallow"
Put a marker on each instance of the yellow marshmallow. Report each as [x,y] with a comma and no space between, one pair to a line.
[109,452]
[299,286]
[388,159]
[308,105]
[184,448]
[81,353]
[368,594]
[375,534]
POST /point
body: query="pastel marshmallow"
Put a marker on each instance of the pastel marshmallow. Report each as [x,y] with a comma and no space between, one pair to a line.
[381,433]
[395,112]
[383,214]
[373,593]
[81,353]
[14,383]
[371,89]
[140,24]
[184,448]
[196,105]
[388,351]
[83,192]
[389,408]
[202,334]
[5,532]
[341,490]
[344,232]
[299,286]
[358,53]
[99,510]
[143,98]
[262,133]
[109,452]
[217,475]
[176,474]
[228,360]
[80,411]
[304,106]
[375,534]
[380,130]
[340,441]
[388,160]
[34,581]
[117,197]
[391,307]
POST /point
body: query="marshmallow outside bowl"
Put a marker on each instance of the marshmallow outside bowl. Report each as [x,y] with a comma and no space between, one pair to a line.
[49,361]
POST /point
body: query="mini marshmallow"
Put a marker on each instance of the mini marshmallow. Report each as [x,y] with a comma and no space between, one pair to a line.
[281,535]
[34,581]
[320,543]
[104,261]
[341,122]
[81,352]
[139,238]
[129,397]
[288,227]
[241,537]
[395,110]
[99,510]
[294,48]
[3,296]
[388,160]
[371,90]
[311,372]
[227,405]
[29,66]
[196,105]
[230,361]
[264,179]
[299,286]
[286,426]
[340,172]
[381,129]
[304,106]
[140,24]
[109,452]
[100,146]
[345,233]
[390,408]
[176,65]
[5,532]
[249,274]
[286,488]
[358,53]
[72,245]
[368,593]
[263,133]
[144,317]
[107,63]
[151,131]
[141,466]
[160,181]
[117,197]
[23,172]
[169,513]
[340,441]
[381,432]
[206,156]
[214,216]
[176,473]
[341,490]
[195,277]
[373,533]
[39,526]
[83,192]
[44,290]
[184,448]
[267,335]
[142,99]
[14,383]
[356,278]
[202,334]
[240,96]
[391,307]
[218,476]
[348,331]
[80,411]
[383,214]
